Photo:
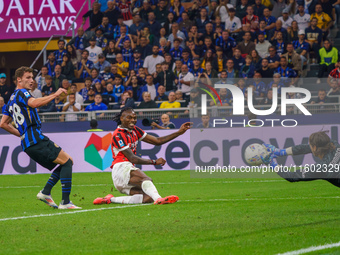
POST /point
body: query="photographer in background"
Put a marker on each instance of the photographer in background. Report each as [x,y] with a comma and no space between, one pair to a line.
[167,124]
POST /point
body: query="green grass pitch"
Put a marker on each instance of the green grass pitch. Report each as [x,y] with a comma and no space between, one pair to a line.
[213,216]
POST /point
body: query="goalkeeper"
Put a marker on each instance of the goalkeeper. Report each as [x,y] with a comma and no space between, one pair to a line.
[321,146]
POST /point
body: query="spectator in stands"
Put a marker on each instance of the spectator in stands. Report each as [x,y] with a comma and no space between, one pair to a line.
[314,36]
[259,8]
[205,122]
[285,19]
[67,86]
[335,90]
[50,107]
[176,33]
[67,68]
[241,9]
[80,41]
[137,26]
[302,18]
[279,43]
[161,12]
[71,106]
[226,43]
[171,103]
[177,9]
[201,21]
[119,88]
[167,78]
[136,62]
[278,28]
[161,94]
[269,98]
[122,66]
[223,94]
[2,104]
[145,10]
[109,96]
[334,74]
[185,24]
[83,91]
[147,102]
[107,28]
[273,59]
[166,123]
[60,52]
[95,16]
[277,82]
[150,86]
[73,90]
[112,13]
[93,50]
[90,96]
[101,41]
[260,86]
[126,100]
[110,52]
[324,20]
[238,60]
[322,98]
[153,24]
[51,63]
[58,77]
[269,19]
[232,73]
[262,46]
[212,73]
[220,61]
[49,88]
[265,71]
[98,105]
[73,54]
[35,92]
[195,99]
[102,63]
[251,19]
[184,80]
[151,61]
[262,30]
[301,47]
[328,59]
[288,75]
[233,23]
[248,69]
[40,79]
[98,87]
[95,76]
[293,59]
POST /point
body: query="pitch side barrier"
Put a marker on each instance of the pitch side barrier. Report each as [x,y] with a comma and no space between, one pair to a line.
[196,150]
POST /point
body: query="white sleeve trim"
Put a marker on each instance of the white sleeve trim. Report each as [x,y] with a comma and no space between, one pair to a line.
[140,139]
[124,148]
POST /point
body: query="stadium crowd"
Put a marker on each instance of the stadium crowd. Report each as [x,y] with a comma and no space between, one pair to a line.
[137,53]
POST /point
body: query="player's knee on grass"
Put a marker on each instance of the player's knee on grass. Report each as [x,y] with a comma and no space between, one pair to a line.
[147,199]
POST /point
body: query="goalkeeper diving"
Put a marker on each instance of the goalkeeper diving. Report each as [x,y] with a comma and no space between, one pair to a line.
[322,147]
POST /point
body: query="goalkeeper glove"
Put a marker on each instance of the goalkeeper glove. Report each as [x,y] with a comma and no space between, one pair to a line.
[277,152]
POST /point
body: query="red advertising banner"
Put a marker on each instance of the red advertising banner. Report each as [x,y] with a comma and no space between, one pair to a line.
[23,19]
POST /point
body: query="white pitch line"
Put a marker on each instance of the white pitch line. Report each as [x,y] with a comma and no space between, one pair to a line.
[135,205]
[71,212]
[311,249]
[161,183]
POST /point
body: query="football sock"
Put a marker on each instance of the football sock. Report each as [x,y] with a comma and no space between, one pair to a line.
[54,178]
[135,199]
[149,188]
[66,181]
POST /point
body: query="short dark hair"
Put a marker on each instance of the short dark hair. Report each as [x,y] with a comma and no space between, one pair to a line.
[19,73]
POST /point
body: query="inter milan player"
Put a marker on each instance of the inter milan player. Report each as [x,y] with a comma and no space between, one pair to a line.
[127,178]
[322,147]
[21,109]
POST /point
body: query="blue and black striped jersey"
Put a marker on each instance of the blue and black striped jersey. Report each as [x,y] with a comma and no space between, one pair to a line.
[26,118]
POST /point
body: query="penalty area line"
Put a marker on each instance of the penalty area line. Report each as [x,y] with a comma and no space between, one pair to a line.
[71,212]
[311,249]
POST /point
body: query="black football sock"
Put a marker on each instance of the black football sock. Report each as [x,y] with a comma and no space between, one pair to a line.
[54,178]
[66,181]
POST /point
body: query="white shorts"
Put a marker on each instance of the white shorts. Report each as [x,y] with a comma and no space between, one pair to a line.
[121,176]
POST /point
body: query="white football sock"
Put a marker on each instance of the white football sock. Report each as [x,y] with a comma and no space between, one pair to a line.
[135,199]
[150,190]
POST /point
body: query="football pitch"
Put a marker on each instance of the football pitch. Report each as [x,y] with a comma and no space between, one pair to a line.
[213,216]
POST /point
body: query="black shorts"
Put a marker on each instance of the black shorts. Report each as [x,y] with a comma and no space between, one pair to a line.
[44,153]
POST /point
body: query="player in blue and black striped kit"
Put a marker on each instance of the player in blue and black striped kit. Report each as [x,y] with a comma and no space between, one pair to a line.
[21,109]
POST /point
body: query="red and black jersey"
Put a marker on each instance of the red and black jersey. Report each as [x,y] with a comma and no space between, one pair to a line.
[125,10]
[253,19]
[123,139]
[335,73]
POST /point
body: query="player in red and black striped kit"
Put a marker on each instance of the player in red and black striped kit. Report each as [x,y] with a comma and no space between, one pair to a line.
[127,178]
[334,74]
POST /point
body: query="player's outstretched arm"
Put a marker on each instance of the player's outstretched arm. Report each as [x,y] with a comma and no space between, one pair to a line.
[142,161]
[38,102]
[164,139]
[6,125]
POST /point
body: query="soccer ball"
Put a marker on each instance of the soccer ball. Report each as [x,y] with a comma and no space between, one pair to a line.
[253,154]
